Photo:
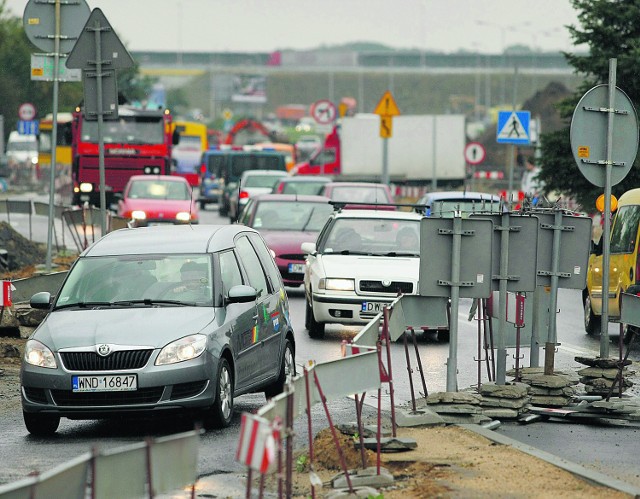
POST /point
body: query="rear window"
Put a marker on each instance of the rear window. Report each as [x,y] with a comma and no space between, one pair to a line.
[624,230]
[242,163]
[215,163]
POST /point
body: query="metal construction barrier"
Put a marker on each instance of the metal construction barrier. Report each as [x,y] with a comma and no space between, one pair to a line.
[144,469]
[84,225]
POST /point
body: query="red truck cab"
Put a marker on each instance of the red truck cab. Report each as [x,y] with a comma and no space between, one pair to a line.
[325,161]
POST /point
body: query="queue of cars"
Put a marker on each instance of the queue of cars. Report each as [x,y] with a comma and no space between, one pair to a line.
[184,317]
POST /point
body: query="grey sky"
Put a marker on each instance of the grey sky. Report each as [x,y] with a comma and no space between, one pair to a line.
[266,25]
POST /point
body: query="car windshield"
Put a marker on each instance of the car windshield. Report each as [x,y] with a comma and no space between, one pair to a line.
[158,189]
[371,236]
[292,215]
[126,130]
[353,194]
[146,279]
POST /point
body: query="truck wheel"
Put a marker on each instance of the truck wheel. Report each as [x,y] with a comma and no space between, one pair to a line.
[315,328]
[203,205]
[41,425]
[592,322]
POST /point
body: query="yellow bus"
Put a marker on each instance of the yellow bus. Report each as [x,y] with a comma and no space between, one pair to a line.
[188,149]
[63,139]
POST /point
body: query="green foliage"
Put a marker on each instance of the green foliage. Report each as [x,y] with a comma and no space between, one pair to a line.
[302,462]
[610,30]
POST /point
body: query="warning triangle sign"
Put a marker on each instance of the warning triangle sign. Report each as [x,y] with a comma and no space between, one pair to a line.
[113,55]
[513,129]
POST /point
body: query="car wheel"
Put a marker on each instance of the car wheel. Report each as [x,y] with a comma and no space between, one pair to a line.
[287,371]
[40,424]
[203,205]
[221,411]
[592,322]
[315,328]
[223,210]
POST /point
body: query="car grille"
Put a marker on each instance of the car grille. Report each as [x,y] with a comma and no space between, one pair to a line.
[117,361]
[394,288]
[184,390]
[140,396]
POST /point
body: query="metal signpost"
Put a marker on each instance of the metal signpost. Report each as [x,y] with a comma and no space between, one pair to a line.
[386,109]
[604,133]
[455,268]
[515,243]
[54,30]
[99,53]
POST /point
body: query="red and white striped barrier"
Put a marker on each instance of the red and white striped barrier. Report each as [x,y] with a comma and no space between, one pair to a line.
[5,294]
[490,174]
[257,445]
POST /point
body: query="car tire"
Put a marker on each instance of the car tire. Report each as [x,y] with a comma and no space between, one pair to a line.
[287,371]
[203,205]
[315,328]
[223,211]
[40,425]
[592,322]
[221,412]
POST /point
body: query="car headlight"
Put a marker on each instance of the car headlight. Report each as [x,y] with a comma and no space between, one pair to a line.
[86,187]
[186,348]
[138,215]
[34,160]
[334,284]
[183,216]
[37,354]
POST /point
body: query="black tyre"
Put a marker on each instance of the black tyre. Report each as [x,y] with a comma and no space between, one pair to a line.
[315,328]
[287,371]
[223,210]
[221,412]
[203,205]
[41,425]
[592,322]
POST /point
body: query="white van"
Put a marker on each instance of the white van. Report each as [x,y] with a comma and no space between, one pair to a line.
[22,149]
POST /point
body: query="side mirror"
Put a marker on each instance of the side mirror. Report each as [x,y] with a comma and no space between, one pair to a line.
[242,294]
[308,248]
[175,138]
[41,300]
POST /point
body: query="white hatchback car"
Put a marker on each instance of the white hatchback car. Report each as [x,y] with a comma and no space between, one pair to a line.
[361,261]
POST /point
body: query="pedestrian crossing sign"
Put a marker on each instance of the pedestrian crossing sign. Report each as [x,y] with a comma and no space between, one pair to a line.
[513,127]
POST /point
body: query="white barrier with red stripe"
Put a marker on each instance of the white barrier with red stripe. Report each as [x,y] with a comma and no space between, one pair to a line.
[489,174]
[5,294]
[257,445]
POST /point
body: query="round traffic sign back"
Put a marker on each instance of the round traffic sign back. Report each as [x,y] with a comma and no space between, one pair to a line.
[474,153]
[39,22]
[589,135]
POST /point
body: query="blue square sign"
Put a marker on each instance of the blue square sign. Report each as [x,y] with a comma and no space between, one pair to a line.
[513,127]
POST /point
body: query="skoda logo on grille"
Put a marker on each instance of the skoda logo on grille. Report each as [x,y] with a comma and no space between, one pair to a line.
[104,350]
[386,283]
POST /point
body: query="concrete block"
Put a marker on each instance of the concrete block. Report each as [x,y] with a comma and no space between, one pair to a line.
[359,478]
[419,417]
[357,492]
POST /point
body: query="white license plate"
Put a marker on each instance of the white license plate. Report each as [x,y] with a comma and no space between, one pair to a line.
[112,383]
[372,306]
[296,268]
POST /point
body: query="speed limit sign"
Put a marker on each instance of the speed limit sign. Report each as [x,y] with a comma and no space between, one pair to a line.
[26,111]
[474,153]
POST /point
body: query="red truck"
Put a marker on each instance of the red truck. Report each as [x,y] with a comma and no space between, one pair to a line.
[138,142]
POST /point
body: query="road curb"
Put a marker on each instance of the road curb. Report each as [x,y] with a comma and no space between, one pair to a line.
[573,468]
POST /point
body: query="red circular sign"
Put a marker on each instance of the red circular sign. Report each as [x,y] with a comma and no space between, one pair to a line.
[26,111]
[474,153]
[324,112]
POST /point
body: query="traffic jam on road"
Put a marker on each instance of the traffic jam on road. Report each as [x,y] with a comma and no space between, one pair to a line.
[263,237]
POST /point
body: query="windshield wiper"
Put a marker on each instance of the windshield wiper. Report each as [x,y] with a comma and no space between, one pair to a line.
[149,301]
[401,253]
[85,304]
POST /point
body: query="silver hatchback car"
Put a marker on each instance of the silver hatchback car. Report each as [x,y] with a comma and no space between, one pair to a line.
[160,319]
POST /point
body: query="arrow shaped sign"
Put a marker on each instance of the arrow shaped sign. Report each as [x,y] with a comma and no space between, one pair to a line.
[387,106]
[113,55]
